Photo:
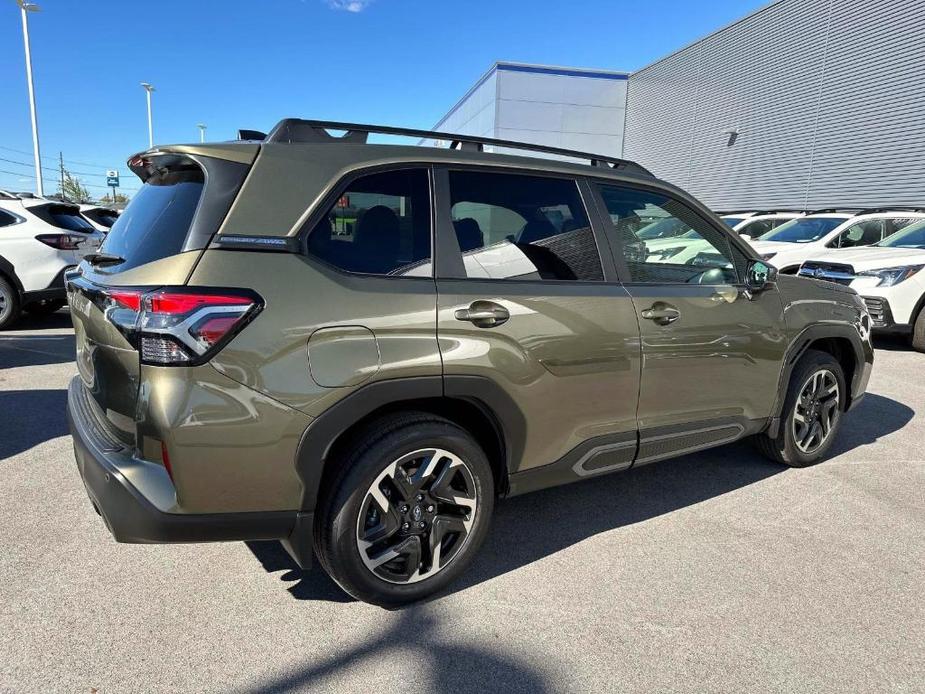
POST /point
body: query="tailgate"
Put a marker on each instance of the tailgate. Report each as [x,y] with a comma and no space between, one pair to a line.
[154,243]
[107,363]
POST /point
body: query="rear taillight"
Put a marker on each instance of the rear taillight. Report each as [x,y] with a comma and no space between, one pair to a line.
[63,242]
[180,326]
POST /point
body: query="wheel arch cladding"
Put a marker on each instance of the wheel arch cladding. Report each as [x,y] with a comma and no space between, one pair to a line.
[474,403]
[8,272]
[841,341]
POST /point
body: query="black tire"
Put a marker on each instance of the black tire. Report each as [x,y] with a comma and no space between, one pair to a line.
[784,447]
[9,303]
[918,332]
[338,518]
[44,308]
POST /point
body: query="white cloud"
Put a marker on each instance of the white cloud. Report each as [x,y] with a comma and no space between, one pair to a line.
[349,5]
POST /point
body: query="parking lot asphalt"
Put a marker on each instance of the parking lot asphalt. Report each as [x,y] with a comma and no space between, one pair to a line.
[714,572]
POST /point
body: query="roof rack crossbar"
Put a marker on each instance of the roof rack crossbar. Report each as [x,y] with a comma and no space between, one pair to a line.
[293,130]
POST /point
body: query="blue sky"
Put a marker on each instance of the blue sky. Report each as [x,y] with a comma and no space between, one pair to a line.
[242,64]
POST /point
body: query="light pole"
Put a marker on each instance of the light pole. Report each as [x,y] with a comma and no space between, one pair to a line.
[148,89]
[202,131]
[25,8]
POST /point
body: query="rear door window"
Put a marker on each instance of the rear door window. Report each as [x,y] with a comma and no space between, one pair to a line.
[519,227]
[896,223]
[862,234]
[156,222]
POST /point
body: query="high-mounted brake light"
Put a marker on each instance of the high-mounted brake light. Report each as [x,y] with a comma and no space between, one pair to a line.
[179,326]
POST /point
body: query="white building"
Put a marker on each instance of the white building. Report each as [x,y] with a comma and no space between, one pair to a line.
[802,104]
[571,108]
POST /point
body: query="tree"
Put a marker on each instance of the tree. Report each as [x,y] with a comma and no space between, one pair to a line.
[72,189]
[107,199]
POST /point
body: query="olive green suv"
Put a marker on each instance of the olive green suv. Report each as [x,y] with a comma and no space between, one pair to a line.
[358,348]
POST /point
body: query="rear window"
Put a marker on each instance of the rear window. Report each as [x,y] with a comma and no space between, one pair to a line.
[104,218]
[62,217]
[157,220]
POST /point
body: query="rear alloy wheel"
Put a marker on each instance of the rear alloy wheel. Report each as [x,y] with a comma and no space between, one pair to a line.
[9,303]
[811,414]
[408,510]
[416,516]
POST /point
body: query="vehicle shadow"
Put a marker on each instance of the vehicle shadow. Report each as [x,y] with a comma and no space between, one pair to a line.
[417,635]
[59,319]
[35,350]
[893,343]
[874,417]
[30,417]
[531,527]
[305,585]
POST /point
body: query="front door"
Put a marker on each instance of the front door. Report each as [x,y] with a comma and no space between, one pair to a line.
[526,301]
[711,352]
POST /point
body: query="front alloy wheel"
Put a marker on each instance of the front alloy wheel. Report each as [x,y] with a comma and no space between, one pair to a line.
[811,414]
[816,412]
[417,516]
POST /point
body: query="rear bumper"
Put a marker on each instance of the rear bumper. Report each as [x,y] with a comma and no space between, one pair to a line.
[131,516]
[54,291]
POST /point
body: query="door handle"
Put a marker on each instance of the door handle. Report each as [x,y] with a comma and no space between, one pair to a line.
[484,314]
[661,313]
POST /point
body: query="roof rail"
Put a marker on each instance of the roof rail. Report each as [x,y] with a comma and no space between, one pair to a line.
[760,212]
[297,130]
[876,210]
[845,210]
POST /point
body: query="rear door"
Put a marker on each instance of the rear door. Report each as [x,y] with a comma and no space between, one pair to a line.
[711,354]
[154,243]
[527,301]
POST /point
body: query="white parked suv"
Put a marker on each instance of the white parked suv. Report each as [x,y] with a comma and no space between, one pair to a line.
[889,276]
[39,240]
[754,224]
[689,247]
[787,246]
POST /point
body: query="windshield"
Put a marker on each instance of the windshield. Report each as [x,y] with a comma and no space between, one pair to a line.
[803,230]
[913,236]
[732,221]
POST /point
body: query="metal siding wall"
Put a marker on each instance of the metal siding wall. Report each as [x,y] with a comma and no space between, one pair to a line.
[823,93]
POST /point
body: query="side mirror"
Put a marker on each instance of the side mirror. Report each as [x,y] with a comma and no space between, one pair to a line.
[745,237]
[758,275]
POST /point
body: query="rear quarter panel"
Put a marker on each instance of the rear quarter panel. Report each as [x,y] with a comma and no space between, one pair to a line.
[302,297]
